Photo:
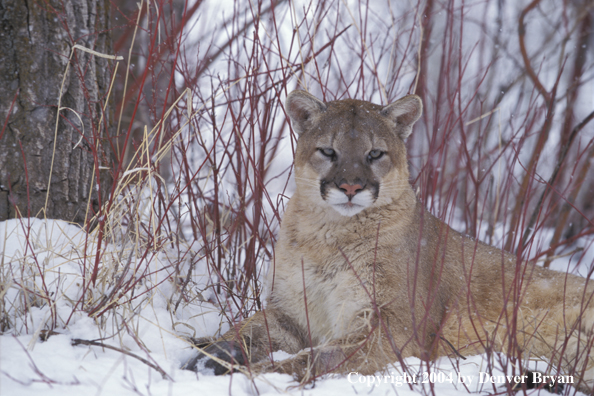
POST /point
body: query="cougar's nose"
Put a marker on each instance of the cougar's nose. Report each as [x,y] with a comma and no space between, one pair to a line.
[350,190]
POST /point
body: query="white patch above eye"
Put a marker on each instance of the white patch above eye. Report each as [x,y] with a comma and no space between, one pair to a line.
[340,202]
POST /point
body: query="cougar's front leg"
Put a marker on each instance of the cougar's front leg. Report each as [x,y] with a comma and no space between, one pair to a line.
[251,341]
[372,353]
[369,347]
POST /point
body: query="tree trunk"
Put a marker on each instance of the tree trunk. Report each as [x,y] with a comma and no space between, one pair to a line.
[36,40]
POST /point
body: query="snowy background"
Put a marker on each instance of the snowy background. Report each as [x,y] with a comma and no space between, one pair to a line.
[191,230]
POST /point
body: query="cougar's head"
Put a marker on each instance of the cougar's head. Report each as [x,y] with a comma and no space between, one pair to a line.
[350,153]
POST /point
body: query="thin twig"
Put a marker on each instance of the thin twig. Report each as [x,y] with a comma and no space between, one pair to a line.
[529,70]
[78,341]
[551,182]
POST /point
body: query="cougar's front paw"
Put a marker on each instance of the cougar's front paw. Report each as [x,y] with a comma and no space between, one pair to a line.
[220,357]
[298,367]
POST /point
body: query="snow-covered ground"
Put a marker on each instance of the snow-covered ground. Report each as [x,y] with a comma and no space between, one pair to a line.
[56,368]
[148,329]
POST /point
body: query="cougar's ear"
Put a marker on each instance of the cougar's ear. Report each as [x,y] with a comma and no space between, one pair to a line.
[303,109]
[404,113]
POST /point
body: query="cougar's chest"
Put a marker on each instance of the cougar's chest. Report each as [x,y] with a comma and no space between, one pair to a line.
[320,280]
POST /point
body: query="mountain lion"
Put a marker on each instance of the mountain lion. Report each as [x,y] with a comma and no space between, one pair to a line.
[364,276]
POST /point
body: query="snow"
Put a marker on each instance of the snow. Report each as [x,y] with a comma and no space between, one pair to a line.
[30,366]
[56,368]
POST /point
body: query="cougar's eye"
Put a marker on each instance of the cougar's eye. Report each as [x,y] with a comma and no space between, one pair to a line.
[328,152]
[374,154]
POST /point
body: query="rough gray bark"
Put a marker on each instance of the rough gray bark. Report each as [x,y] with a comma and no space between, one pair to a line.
[36,39]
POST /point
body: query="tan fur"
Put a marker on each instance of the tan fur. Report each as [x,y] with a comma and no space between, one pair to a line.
[393,281]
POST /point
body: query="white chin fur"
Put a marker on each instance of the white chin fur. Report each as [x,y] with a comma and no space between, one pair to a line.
[340,202]
[348,210]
